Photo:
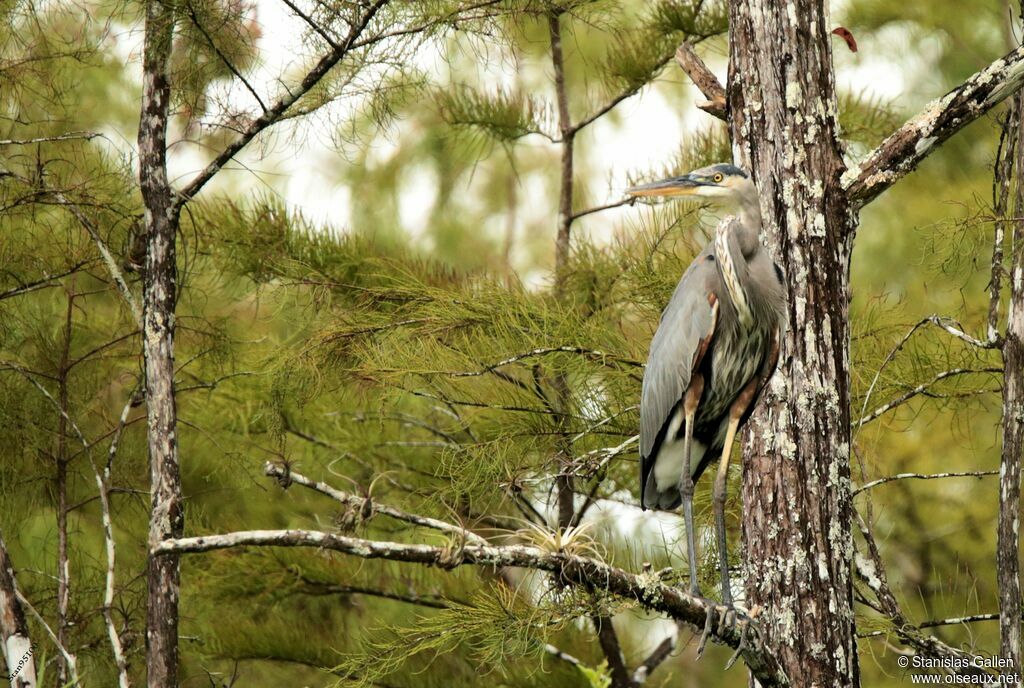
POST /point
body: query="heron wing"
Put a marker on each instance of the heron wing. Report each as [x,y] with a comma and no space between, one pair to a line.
[687,323]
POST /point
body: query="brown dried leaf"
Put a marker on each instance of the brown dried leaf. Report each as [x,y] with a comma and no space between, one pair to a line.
[845,34]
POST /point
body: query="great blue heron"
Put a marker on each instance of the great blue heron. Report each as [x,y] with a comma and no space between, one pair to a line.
[715,349]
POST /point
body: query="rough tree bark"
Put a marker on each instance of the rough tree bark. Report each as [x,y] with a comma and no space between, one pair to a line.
[796,478]
[796,483]
[1007,541]
[161,219]
[17,646]
[563,482]
[63,565]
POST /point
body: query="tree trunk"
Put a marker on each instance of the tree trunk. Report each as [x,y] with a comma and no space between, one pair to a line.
[63,565]
[796,478]
[161,219]
[1007,542]
[17,647]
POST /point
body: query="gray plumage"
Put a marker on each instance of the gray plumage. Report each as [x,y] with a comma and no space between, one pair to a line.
[736,353]
[714,350]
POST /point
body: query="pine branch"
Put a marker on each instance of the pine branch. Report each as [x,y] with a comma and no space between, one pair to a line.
[276,111]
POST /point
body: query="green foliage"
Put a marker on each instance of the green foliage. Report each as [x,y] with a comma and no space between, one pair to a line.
[495,627]
[431,367]
[501,115]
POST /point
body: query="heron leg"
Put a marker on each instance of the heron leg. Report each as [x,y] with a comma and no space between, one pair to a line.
[690,400]
[719,502]
[736,412]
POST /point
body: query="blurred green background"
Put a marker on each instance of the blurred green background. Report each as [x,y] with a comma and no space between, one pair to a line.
[335,278]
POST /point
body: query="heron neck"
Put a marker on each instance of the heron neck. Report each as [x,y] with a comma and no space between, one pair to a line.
[749,229]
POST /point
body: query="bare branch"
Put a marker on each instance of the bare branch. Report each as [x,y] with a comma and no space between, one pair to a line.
[108,259]
[662,652]
[314,587]
[313,25]
[280,107]
[567,568]
[704,79]
[901,152]
[872,571]
[922,389]
[590,354]
[607,206]
[69,659]
[103,482]
[922,476]
[953,328]
[564,656]
[934,623]
[612,648]
[70,136]
[287,476]
[612,103]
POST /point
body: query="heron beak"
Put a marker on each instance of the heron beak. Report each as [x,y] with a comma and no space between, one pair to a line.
[685,185]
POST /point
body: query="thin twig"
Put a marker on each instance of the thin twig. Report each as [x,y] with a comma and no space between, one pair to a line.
[607,206]
[922,476]
[223,58]
[70,136]
[921,389]
[69,659]
[286,475]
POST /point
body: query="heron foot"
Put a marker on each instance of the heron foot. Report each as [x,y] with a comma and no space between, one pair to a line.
[719,620]
[744,627]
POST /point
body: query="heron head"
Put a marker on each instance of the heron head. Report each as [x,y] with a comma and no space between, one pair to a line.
[722,183]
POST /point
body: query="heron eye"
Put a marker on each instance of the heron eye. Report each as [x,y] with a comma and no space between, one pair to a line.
[718,178]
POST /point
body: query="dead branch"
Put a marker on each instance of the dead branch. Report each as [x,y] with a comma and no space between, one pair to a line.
[645,589]
[900,153]
[704,79]
[922,389]
[284,474]
[922,476]
[871,570]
